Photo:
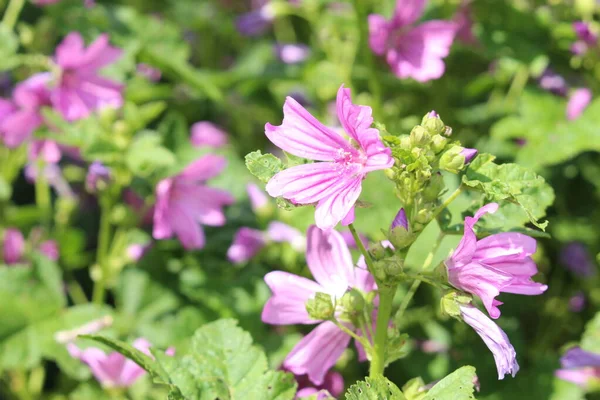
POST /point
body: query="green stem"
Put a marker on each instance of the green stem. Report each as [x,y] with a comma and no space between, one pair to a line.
[42,195]
[361,340]
[415,285]
[374,84]
[102,251]
[76,292]
[362,249]
[447,202]
[386,297]
[11,15]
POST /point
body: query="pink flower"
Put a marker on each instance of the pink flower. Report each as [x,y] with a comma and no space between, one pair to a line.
[80,90]
[258,199]
[292,53]
[336,183]
[136,251]
[494,338]
[28,99]
[207,134]
[113,369]
[13,246]
[330,262]
[49,248]
[333,386]
[464,25]
[580,367]
[586,38]
[183,202]
[412,51]
[578,102]
[246,244]
[283,233]
[498,263]
[47,150]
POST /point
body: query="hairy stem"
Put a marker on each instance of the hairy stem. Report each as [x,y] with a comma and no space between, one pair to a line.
[386,297]
[447,202]
[362,249]
[11,15]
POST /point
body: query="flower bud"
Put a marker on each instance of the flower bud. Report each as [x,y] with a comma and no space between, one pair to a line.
[452,301]
[393,267]
[433,124]
[424,216]
[469,154]
[379,251]
[353,301]
[452,160]
[405,143]
[98,177]
[438,143]
[419,136]
[399,234]
[320,307]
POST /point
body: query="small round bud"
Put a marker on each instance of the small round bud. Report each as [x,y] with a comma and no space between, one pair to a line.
[419,136]
[452,160]
[393,267]
[353,301]
[438,143]
[320,307]
[433,123]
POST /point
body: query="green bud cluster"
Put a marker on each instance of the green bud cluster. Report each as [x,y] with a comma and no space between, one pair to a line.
[420,158]
[389,270]
[320,307]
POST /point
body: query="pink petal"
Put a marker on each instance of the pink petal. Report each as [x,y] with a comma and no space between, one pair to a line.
[69,50]
[288,304]
[184,225]
[333,208]
[407,12]
[317,352]
[204,168]
[17,127]
[379,33]
[162,225]
[468,244]
[329,260]
[505,246]
[304,136]
[578,102]
[207,134]
[13,246]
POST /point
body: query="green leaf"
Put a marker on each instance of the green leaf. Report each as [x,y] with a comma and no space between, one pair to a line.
[512,183]
[224,364]
[263,166]
[9,43]
[459,385]
[378,388]
[146,155]
[590,341]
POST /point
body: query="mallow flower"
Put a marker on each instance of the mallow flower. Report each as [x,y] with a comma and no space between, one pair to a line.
[580,367]
[183,202]
[331,265]
[498,263]
[207,134]
[412,51]
[332,386]
[25,114]
[334,184]
[578,101]
[494,338]
[80,89]
[13,246]
[586,38]
[113,369]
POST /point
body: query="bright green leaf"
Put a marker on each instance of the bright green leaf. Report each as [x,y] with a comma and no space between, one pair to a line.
[263,166]
[459,385]
[378,388]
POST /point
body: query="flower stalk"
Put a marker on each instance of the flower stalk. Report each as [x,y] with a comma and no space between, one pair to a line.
[104,235]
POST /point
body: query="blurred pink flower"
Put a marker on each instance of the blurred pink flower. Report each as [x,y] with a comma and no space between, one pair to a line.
[578,102]
[13,246]
[246,244]
[494,338]
[81,90]
[53,175]
[257,21]
[586,38]
[136,251]
[292,53]
[333,386]
[183,202]
[330,262]
[258,198]
[498,263]
[412,51]
[464,24]
[149,72]
[28,99]
[113,369]
[336,183]
[580,367]
[49,248]
[47,150]
[207,134]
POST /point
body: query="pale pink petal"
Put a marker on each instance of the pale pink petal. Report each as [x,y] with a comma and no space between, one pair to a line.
[317,352]
[333,208]
[407,12]
[329,260]
[506,246]
[288,303]
[468,244]
[184,225]
[379,33]
[162,225]
[349,218]
[246,244]
[578,102]
[207,134]
[13,246]
[204,168]
[304,136]
[69,50]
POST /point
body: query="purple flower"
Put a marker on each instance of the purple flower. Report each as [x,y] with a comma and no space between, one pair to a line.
[400,220]
[332,386]
[81,90]
[576,257]
[330,262]
[113,369]
[28,99]
[336,183]
[49,248]
[554,83]
[207,134]
[464,25]
[47,150]
[494,338]
[98,176]
[256,22]
[149,72]
[183,202]
[469,154]
[498,263]
[292,53]
[579,366]
[578,102]
[577,302]
[412,51]
[258,199]
[246,244]
[13,246]
[586,38]
[136,251]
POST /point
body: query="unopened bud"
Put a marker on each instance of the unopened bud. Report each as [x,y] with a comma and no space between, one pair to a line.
[469,154]
[419,136]
[452,160]
[353,301]
[399,234]
[433,124]
[320,307]
[424,216]
[393,267]
[379,251]
[405,143]
[438,143]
